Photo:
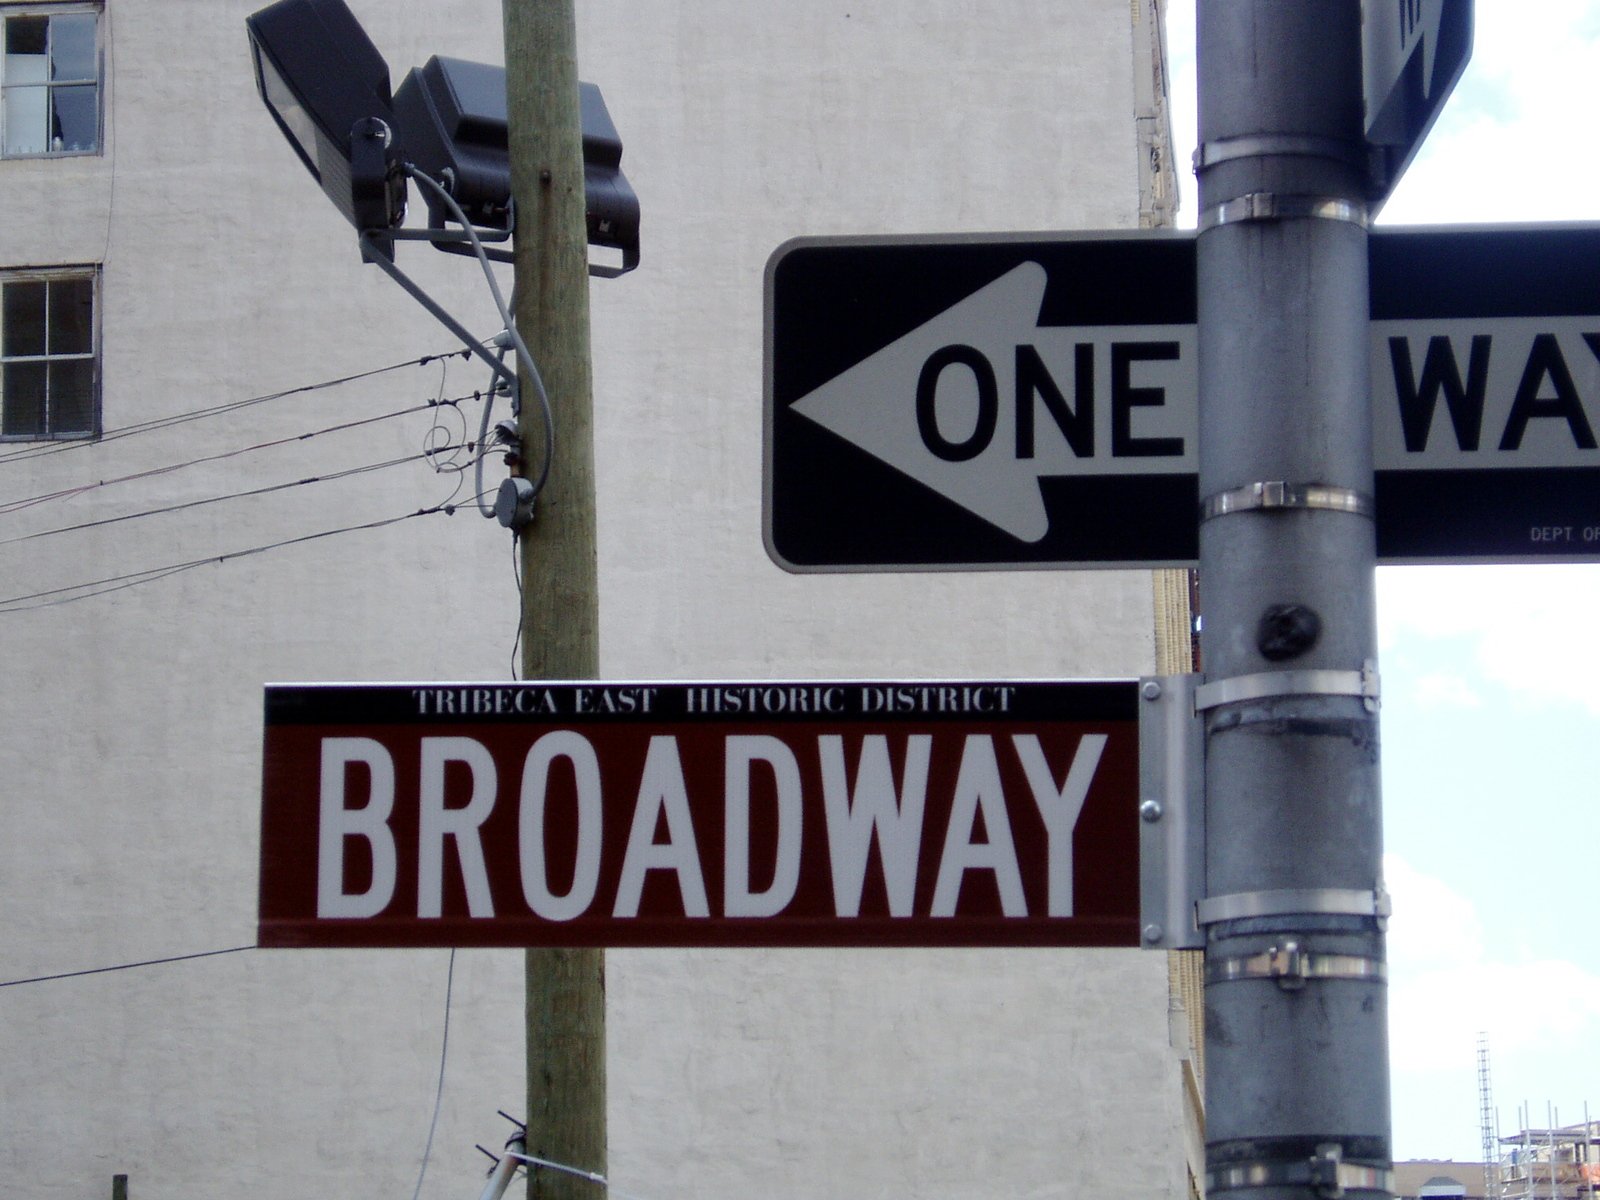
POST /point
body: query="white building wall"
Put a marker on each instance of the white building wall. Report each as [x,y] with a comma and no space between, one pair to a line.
[130,723]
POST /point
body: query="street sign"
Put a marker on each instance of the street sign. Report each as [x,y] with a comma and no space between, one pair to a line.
[1003,402]
[891,813]
[1413,53]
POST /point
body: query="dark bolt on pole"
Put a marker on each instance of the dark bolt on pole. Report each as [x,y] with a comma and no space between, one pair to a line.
[1297,1083]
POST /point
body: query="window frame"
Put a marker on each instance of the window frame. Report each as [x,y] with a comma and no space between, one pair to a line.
[71,271]
[47,9]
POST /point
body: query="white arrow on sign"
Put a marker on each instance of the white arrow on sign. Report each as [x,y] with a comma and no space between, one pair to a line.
[981,402]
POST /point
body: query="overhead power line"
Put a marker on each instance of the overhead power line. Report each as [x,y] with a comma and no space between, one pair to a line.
[53,597]
[148,962]
[25,502]
[41,450]
[251,492]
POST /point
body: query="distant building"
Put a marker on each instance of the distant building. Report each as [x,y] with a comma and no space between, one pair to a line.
[1431,1179]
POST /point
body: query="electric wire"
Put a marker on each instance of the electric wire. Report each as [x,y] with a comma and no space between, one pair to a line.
[148,962]
[438,1093]
[524,355]
[438,427]
[54,597]
[483,433]
[17,505]
[522,611]
[44,449]
[247,494]
[532,1161]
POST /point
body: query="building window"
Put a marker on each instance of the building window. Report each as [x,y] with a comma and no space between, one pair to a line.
[49,80]
[49,355]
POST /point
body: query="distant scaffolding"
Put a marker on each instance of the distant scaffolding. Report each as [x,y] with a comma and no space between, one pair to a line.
[1489,1122]
[1556,1162]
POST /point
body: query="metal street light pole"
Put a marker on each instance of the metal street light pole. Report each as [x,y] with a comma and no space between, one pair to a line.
[1297,1095]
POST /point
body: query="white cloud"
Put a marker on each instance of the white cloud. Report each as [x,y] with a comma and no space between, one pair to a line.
[1531,629]
[1433,926]
[1441,690]
[1447,987]
[1508,146]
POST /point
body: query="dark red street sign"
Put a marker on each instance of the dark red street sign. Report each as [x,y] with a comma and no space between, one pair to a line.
[700,814]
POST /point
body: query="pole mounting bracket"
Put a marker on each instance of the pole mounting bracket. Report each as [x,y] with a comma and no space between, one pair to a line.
[1277,494]
[1262,145]
[1325,1172]
[1292,967]
[1273,206]
[1172,813]
[1268,685]
[1341,902]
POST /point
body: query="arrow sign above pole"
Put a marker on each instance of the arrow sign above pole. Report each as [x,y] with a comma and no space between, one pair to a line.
[1413,53]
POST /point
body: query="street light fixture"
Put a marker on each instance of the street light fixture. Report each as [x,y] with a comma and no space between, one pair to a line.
[327,86]
[453,114]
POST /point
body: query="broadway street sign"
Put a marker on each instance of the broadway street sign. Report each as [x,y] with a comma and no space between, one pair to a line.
[705,814]
[1001,401]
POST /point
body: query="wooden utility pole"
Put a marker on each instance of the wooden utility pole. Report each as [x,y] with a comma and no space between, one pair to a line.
[566,1016]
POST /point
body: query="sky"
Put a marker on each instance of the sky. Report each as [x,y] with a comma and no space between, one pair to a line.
[1490,675]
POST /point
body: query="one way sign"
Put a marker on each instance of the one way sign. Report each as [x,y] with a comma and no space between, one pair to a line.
[998,402]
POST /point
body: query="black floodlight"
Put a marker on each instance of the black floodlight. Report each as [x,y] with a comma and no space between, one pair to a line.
[452,123]
[327,86]
[612,207]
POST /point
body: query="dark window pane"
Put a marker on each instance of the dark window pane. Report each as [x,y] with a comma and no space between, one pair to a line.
[72,47]
[22,399]
[74,118]
[71,316]
[22,318]
[72,396]
[27,35]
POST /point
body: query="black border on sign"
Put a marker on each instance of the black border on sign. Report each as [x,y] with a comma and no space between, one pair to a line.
[827,506]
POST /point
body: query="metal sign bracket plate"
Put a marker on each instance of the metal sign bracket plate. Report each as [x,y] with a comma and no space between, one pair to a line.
[1172,835]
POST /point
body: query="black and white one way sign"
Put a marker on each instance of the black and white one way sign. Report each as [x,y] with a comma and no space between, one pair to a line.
[1028,401]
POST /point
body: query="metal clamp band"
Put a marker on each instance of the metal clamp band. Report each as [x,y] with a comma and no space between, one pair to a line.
[1270,206]
[1270,684]
[1293,967]
[1340,902]
[1275,494]
[1328,1176]
[1257,146]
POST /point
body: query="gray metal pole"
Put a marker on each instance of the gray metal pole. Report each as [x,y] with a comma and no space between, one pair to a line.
[1297,1086]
